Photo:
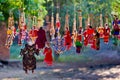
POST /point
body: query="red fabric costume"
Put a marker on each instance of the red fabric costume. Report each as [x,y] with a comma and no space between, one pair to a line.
[58,24]
[41,39]
[106,34]
[33,33]
[48,56]
[68,40]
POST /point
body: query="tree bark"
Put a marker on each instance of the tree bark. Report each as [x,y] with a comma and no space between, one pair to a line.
[4,52]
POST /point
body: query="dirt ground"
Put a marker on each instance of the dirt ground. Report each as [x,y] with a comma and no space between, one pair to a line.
[61,71]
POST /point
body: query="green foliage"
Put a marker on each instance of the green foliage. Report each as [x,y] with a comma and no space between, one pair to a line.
[32,7]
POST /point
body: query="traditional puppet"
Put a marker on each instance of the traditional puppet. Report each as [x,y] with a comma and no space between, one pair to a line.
[74,33]
[48,55]
[67,39]
[57,22]
[88,35]
[23,34]
[106,33]
[11,32]
[10,36]
[115,30]
[41,39]
[101,28]
[33,34]
[96,41]
[78,44]
[58,45]
[116,27]
[29,60]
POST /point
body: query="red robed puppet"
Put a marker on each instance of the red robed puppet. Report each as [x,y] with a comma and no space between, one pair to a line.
[41,39]
[106,33]
[48,55]
[68,40]
[88,36]
[33,34]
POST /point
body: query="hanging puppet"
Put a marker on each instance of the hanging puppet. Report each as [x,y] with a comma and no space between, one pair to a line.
[96,41]
[23,34]
[115,30]
[88,35]
[106,33]
[11,32]
[57,22]
[101,28]
[78,42]
[33,31]
[41,39]
[67,39]
[58,45]
[48,54]
[74,33]
[29,60]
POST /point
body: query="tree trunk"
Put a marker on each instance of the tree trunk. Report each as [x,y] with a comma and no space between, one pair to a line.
[4,52]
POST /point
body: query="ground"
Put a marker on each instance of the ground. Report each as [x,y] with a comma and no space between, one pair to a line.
[61,71]
[89,65]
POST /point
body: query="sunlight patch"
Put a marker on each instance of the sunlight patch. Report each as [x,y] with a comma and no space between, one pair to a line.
[42,72]
[11,79]
[56,70]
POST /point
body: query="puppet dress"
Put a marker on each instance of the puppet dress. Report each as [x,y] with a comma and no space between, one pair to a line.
[68,40]
[116,27]
[96,41]
[41,39]
[78,46]
[33,34]
[29,60]
[48,56]
[58,47]
[106,34]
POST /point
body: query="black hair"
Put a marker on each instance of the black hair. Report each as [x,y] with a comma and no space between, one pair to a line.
[90,26]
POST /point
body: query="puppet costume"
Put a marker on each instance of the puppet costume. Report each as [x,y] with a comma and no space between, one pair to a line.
[33,34]
[58,46]
[48,56]
[11,32]
[116,27]
[22,36]
[101,31]
[90,32]
[41,39]
[96,41]
[78,46]
[68,40]
[29,60]
[106,34]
